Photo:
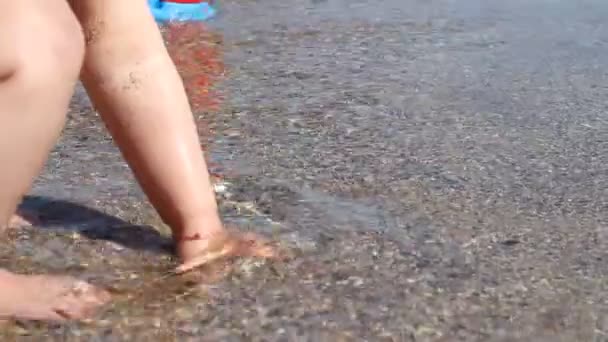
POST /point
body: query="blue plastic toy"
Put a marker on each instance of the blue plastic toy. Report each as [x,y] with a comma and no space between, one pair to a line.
[181,10]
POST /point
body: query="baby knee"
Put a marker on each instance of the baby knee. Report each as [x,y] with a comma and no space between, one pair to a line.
[54,51]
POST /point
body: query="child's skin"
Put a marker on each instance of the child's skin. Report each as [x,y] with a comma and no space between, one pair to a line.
[134,85]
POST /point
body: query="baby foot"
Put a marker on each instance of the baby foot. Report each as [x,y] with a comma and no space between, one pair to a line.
[23,219]
[197,250]
[48,298]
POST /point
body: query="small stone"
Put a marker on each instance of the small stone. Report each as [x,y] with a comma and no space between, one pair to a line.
[115,246]
[156,323]
[356,281]
[219,187]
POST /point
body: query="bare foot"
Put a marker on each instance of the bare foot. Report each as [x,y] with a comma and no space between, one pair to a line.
[47,298]
[22,219]
[196,250]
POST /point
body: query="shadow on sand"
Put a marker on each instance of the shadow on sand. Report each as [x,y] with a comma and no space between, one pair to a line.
[59,214]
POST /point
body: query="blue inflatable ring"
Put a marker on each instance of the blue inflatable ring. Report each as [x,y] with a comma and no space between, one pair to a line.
[166,11]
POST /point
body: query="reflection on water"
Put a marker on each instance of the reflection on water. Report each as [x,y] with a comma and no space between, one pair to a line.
[196,51]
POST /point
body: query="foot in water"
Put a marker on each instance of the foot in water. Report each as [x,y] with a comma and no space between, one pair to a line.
[22,219]
[45,297]
[199,249]
[48,298]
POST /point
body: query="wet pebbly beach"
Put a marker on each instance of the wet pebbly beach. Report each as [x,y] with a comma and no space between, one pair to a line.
[436,171]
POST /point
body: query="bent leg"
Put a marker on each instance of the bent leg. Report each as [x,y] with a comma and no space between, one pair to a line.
[140,96]
[41,49]
[35,91]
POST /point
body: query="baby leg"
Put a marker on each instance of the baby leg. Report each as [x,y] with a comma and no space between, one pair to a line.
[41,51]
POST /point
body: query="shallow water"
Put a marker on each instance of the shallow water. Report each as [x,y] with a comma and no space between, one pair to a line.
[437,168]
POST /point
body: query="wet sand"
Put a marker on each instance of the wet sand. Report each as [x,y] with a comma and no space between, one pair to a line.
[436,170]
